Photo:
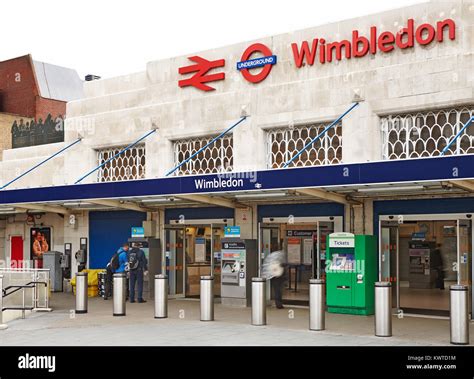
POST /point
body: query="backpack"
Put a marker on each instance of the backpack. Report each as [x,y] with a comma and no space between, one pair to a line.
[114,262]
[134,259]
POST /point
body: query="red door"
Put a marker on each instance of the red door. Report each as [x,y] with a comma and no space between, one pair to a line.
[16,248]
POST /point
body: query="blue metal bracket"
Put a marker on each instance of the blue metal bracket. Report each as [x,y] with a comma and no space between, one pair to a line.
[457,135]
[41,163]
[115,156]
[321,134]
[210,143]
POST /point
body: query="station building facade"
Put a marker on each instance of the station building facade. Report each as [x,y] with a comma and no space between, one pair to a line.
[403,81]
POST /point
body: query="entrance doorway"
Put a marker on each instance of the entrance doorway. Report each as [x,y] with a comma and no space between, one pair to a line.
[304,241]
[192,250]
[422,255]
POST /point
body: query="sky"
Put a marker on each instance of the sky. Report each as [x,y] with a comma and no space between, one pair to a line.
[116,37]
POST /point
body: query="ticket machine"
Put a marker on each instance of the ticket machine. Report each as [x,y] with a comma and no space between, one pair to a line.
[238,267]
[351,273]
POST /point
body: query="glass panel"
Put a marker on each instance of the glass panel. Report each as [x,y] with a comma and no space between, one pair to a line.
[217,235]
[388,256]
[174,243]
[325,228]
[465,255]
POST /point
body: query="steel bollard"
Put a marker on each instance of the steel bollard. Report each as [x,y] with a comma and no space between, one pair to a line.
[120,293]
[2,325]
[82,287]
[259,306]
[459,314]
[161,296]
[317,304]
[383,309]
[207,298]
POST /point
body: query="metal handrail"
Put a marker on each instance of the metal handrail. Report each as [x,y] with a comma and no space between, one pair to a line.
[31,285]
[335,122]
[457,135]
[17,288]
[115,156]
[40,164]
[207,145]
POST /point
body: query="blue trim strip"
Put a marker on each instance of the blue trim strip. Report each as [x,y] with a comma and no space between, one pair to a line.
[205,147]
[41,163]
[115,156]
[400,171]
[321,134]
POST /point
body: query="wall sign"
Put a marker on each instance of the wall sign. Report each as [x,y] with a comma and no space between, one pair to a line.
[232,231]
[246,64]
[201,76]
[342,240]
[359,46]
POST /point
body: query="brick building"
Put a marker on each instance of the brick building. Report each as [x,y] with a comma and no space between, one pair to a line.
[33,90]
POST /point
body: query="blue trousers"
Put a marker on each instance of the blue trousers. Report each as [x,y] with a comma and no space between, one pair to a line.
[136,276]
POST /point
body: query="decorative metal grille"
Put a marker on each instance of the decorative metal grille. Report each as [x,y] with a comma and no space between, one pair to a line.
[284,143]
[427,134]
[127,166]
[219,157]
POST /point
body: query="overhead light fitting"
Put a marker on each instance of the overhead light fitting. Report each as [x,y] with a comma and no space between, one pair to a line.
[386,189]
[261,195]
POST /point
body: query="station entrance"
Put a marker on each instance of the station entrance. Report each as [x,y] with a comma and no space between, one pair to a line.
[304,241]
[422,255]
[191,251]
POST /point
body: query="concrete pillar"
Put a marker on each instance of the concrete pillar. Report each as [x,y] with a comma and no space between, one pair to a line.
[362,128]
[244,219]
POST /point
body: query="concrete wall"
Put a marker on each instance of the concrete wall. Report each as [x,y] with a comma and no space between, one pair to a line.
[440,74]
[119,110]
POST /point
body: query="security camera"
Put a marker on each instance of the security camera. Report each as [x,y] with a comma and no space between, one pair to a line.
[469,216]
[331,218]
[390,217]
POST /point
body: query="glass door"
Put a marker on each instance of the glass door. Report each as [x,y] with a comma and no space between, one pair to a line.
[216,245]
[389,259]
[175,261]
[324,228]
[465,264]
[269,237]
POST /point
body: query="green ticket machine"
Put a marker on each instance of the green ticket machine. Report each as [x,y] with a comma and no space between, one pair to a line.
[351,273]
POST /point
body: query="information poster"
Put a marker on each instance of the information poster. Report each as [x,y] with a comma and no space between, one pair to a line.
[294,251]
[200,250]
[40,241]
[308,251]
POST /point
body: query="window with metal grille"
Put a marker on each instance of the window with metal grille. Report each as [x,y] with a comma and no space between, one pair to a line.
[218,157]
[427,134]
[284,143]
[127,166]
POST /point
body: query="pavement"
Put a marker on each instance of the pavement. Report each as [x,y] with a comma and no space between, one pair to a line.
[285,327]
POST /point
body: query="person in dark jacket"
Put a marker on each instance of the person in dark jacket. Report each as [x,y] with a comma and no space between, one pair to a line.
[138,266]
[118,263]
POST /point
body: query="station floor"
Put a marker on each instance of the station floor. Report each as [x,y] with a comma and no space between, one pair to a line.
[286,327]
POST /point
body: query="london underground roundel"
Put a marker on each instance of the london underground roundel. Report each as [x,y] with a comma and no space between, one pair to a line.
[247,65]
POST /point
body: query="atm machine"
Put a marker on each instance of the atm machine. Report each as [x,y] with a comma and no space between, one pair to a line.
[238,267]
[351,273]
[422,274]
[152,249]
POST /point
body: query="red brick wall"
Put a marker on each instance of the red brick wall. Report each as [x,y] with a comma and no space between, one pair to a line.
[18,89]
[47,106]
[19,93]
